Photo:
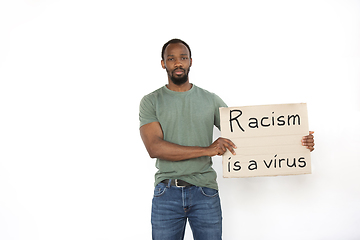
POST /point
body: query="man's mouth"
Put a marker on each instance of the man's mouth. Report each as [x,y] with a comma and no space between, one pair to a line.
[179,71]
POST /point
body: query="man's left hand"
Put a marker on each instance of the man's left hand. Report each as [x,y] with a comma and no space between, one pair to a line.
[308,141]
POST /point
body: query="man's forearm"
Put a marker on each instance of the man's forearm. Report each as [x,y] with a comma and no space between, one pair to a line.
[174,152]
[157,147]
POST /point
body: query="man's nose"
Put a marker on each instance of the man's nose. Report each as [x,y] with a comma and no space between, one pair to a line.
[178,63]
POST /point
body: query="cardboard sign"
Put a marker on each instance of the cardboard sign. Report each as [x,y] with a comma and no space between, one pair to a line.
[268,140]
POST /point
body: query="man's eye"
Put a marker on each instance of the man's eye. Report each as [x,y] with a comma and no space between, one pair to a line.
[170,59]
[184,58]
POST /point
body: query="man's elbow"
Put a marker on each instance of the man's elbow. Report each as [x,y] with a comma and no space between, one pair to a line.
[152,155]
[153,152]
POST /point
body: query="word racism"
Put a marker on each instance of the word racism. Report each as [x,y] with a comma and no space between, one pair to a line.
[264,121]
[268,140]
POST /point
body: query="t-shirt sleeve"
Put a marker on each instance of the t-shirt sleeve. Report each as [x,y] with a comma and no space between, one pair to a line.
[147,111]
[218,102]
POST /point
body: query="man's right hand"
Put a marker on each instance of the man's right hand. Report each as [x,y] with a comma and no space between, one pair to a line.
[220,145]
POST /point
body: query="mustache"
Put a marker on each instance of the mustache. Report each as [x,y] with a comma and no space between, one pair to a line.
[178,69]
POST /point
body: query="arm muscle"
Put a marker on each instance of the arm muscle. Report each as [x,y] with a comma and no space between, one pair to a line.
[153,138]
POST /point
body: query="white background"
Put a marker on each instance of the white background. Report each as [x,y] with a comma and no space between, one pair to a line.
[72,73]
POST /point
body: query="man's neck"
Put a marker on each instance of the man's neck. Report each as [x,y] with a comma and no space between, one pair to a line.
[179,88]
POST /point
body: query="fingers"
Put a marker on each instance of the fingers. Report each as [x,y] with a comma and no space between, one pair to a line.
[230,146]
[308,141]
[220,146]
[225,144]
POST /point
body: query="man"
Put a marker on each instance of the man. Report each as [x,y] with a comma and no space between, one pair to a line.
[176,126]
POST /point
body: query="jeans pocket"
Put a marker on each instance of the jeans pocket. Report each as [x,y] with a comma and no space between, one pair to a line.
[159,190]
[209,192]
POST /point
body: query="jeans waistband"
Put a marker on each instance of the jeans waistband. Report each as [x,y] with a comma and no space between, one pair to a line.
[177,183]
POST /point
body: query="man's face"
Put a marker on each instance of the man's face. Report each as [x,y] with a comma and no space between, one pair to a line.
[177,63]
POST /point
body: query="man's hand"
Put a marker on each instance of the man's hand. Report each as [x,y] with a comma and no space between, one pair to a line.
[308,141]
[220,145]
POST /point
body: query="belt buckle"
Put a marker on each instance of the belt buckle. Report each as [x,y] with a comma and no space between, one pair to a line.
[176,184]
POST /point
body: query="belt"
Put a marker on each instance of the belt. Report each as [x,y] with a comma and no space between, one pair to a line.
[177,183]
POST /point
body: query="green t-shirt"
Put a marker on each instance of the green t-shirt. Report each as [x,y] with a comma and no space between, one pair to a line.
[186,118]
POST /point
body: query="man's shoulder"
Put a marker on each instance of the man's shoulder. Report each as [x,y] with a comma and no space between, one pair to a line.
[153,94]
[204,92]
[210,96]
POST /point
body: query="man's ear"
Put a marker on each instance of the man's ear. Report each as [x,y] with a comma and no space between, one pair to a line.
[163,64]
[190,62]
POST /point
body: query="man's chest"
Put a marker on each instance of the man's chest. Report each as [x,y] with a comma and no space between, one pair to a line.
[186,111]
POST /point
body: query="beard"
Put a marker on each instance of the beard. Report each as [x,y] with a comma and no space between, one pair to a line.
[180,80]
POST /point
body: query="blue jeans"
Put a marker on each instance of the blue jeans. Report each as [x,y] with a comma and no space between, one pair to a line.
[172,206]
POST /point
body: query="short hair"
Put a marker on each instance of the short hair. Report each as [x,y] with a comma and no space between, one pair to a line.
[175,40]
